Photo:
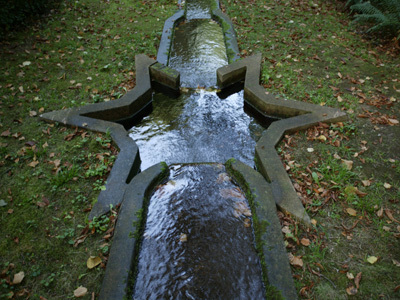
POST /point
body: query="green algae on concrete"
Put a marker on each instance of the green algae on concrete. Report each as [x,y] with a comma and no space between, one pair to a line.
[125,246]
[165,76]
[269,240]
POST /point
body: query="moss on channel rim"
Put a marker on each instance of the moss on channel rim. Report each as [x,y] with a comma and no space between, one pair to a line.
[259,226]
[140,223]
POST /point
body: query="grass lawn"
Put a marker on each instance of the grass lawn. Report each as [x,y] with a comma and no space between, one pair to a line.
[347,174]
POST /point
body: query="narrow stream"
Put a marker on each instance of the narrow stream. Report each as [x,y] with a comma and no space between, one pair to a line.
[198,241]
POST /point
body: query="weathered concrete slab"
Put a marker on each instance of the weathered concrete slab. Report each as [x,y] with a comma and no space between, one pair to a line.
[127,233]
[267,229]
[298,116]
[165,76]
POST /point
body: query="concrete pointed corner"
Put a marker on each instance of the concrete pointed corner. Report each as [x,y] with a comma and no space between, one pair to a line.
[295,115]
[108,117]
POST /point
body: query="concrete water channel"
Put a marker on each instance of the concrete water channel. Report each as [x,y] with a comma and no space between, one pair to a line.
[197,221]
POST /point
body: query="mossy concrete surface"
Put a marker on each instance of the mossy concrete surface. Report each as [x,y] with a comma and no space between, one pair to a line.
[297,116]
[167,36]
[275,257]
[121,260]
[165,76]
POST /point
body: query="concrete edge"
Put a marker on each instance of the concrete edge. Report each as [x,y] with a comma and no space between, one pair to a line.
[232,48]
[299,116]
[277,266]
[124,249]
[99,117]
[167,36]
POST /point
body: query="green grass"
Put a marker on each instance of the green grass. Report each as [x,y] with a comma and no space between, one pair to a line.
[312,54]
[51,175]
[84,53]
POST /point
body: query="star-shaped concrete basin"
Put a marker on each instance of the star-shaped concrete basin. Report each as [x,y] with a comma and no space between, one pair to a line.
[107,117]
[295,116]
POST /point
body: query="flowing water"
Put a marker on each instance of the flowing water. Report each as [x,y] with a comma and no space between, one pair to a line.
[198,50]
[198,241]
[197,127]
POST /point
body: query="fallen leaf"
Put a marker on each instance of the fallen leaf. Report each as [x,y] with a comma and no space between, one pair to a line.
[379,213]
[350,275]
[183,237]
[339,99]
[295,261]
[80,292]
[366,182]
[348,164]
[33,164]
[26,63]
[32,113]
[386,228]
[351,211]
[305,242]
[351,291]
[396,262]
[393,121]
[2,203]
[387,185]
[310,150]
[388,212]
[6,133]
[247,222]
[18,277]
[372,259]
[93,261]
[357,280]
[314,222]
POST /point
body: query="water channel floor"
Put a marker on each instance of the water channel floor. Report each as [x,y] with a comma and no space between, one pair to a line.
[198,241]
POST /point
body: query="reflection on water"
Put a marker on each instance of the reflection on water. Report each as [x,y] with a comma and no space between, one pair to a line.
[198,241]
[199,9]
[198,50]
[197,127]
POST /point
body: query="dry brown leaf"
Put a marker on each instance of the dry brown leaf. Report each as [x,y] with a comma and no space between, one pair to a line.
[350,275]
[357,280]
[296,261]
[387,185]
[388,212]
[366,182]
[379,213]
[386,228]
[6,133]
[93,261]
[80,292]
[18,277]
[348,164]
[396,262]
[32,113]
[351,291]
[305,242]
[393,121]
[33,164]
[351,211]
[183,237]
